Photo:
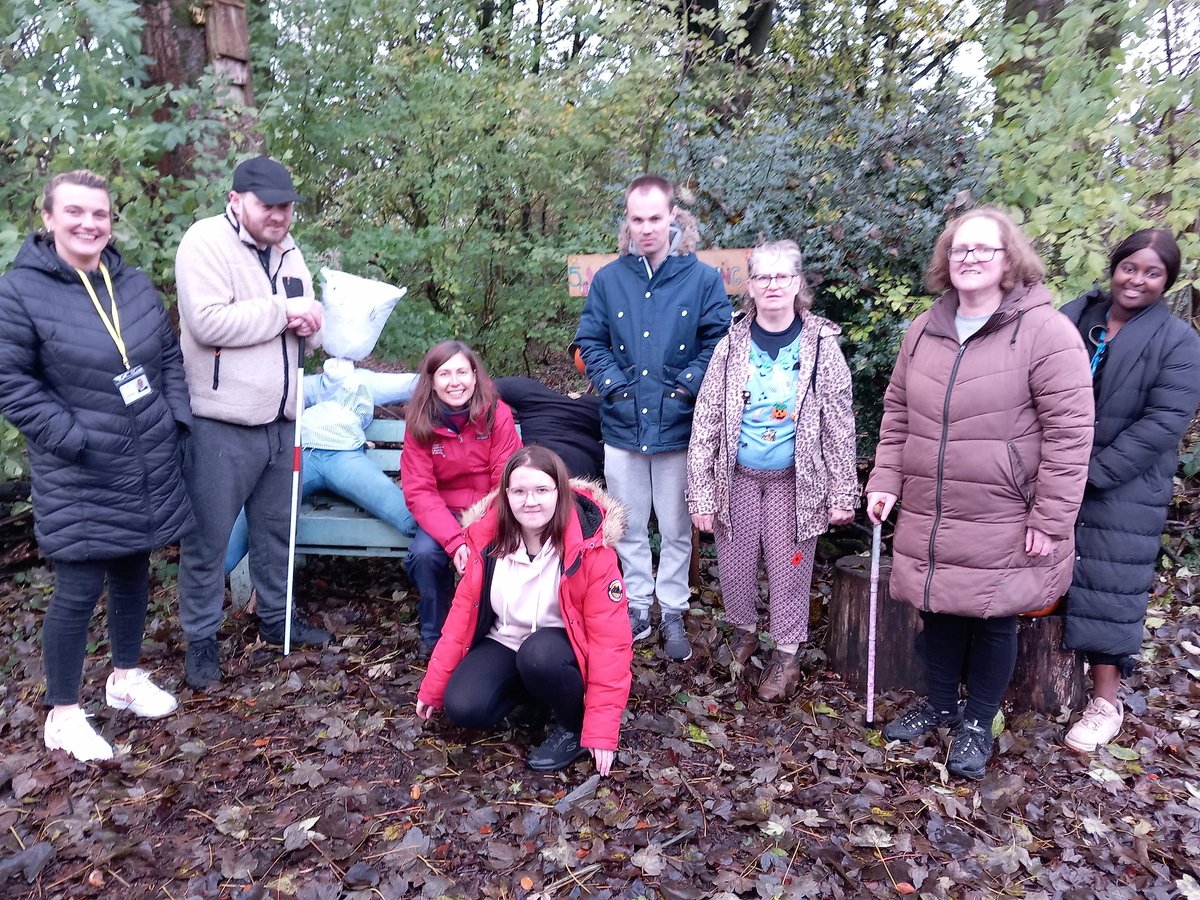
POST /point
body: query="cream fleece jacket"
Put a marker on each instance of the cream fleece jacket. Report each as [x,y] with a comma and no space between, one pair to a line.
[239,357]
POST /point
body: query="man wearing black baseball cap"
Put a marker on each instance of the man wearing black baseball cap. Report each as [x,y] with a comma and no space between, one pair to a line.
[245,300]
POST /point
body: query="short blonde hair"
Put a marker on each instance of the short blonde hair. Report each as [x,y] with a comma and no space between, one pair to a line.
[1024,265]
[786,250]
[83,177]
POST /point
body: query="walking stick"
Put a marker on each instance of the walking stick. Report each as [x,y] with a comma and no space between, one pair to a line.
[291,565]
[876,540]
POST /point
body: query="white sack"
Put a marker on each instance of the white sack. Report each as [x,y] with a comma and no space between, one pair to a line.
[356,309]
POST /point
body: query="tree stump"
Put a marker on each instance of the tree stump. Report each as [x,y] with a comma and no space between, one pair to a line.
[898,665]
[1047,677]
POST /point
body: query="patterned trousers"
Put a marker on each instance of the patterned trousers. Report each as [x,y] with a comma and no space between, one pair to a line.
[762,516]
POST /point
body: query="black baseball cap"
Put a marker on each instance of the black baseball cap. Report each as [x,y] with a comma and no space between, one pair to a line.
[266,179]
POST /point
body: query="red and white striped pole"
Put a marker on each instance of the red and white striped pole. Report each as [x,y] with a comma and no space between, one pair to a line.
[291,559]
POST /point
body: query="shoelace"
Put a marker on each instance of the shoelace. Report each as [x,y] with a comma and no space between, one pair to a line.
[1093,715]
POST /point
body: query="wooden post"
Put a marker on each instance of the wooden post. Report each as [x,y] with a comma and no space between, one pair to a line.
[898,666]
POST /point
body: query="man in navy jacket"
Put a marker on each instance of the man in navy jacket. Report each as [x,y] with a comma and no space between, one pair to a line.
[650,322]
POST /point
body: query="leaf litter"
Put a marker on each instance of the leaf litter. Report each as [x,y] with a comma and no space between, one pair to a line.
[311,778]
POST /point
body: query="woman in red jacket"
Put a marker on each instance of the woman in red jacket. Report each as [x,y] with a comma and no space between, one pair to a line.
[459,434]
[540,615]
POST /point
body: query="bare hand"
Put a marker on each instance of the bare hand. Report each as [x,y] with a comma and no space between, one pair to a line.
[1038,543]
[841,516]
[704,521]
[425,711]
[460,558]
[603,759]
[879,506]
[304,316]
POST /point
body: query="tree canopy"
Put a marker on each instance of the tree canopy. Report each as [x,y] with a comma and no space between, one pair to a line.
[465,148]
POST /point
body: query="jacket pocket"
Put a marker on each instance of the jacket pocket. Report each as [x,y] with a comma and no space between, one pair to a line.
[1020,476]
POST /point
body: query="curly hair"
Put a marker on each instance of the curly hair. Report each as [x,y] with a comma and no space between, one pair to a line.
[1023,266]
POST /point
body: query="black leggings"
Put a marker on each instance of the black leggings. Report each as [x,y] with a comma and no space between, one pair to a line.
[77,587]
[492,680]
[983,651]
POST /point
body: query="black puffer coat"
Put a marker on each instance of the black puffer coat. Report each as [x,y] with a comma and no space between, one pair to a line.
[1149,391]
[107,477]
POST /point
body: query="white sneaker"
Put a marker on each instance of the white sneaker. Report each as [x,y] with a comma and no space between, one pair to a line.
[1099,724]
[138,694]
[70,730]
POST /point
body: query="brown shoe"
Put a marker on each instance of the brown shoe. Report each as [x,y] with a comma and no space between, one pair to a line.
[743,645]
[781,679]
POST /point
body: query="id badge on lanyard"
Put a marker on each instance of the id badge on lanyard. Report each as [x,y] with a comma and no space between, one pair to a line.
[132,384]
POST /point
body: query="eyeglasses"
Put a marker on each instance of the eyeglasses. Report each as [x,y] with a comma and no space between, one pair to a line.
[982,254]
[765,280]
[519,495]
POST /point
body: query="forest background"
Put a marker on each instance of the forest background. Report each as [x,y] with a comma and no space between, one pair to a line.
[463,149]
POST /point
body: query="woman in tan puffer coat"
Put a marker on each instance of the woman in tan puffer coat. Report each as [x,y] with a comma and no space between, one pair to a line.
[986,433]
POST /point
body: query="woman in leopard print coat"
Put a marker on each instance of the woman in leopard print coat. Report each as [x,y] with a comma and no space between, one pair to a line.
[771,462]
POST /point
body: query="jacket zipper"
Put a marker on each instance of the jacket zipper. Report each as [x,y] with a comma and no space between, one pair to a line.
[941,465]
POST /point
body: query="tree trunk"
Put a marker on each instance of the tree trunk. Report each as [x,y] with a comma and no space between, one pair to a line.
[182,39]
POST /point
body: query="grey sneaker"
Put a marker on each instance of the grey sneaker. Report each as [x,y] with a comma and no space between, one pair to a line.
[675,639]
[639,622]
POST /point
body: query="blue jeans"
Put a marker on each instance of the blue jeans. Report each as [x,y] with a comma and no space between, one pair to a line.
[429,570]
[349,474]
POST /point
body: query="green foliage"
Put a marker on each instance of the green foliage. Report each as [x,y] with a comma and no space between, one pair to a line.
[863,191]
[466,163]
[1096,142]
[74,94]
[13,464]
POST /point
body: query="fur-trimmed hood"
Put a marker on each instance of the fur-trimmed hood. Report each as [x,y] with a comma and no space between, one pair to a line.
[598,511]
[685,236]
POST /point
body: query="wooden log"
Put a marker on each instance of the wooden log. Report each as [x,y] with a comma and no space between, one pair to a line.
[898,665]
[1047,677]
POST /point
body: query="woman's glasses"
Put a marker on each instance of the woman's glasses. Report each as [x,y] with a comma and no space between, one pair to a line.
[765,280]
[518,495]
[981,254]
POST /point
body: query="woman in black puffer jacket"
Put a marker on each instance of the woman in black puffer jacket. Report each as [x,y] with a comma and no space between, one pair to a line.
[92,376]
[1146,374]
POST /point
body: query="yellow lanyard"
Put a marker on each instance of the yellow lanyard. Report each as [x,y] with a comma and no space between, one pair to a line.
[114,324]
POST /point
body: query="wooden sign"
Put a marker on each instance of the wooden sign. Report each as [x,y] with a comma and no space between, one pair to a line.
[730,263]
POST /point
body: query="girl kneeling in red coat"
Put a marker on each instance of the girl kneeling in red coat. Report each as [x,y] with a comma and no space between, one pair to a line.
[540,614]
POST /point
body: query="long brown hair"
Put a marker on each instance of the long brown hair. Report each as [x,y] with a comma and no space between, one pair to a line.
[423,415]
[508,529]
[1024,266]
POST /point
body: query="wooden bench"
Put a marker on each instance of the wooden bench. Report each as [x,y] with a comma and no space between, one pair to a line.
[330,525]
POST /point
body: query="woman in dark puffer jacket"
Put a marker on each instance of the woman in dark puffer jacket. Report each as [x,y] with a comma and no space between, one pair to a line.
[1146,374]
[91,374]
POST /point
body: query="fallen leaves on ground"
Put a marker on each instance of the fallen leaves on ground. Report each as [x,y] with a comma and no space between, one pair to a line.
[310,777]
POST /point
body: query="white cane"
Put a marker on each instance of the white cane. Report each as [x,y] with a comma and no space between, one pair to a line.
[291,564]
[876,539]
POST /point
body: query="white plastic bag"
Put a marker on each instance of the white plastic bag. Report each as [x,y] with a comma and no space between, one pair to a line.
[356,309]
